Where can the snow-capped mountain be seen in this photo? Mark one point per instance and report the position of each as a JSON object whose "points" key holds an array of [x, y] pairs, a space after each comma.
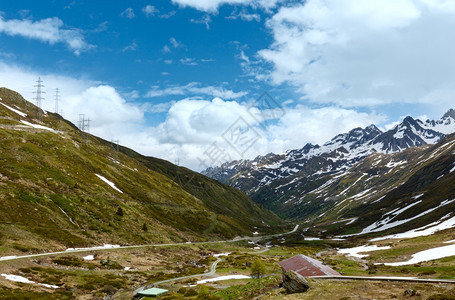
{"points": [[407, 193], [338, 154]]}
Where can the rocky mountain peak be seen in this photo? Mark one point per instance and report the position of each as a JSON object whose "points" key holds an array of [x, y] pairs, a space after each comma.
{"points": [[449, 114]]}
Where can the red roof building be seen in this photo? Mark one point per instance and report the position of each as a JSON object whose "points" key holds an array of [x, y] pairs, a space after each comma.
{"points": [[307, 266]]}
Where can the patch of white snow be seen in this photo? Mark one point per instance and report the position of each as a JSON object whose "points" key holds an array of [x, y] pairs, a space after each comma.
{"points": [[421, 231], [17, 278], [221, 254], [105, 246], [361, 249], [37, 126], [427, 255], [227, 277], [14, 110], [110, 183]]}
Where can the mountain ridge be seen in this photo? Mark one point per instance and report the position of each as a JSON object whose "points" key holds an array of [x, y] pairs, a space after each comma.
{"points": [[60, 187], [341, 152]]}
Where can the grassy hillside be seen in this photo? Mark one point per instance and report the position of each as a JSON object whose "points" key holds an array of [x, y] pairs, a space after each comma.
{"points": [[61, 188]]}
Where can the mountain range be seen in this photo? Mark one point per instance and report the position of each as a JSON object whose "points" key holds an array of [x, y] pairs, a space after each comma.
{"points": [[357, 176]]}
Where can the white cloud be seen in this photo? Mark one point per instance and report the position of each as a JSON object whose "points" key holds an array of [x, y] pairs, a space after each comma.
{"points": [[192, 127], [243, 57], [195, 89], [157, 108], [131, 47], [166, 49], [149, 10], [110, 113], [250, 17], [244, 15], [188, 61], [128, 13], [168, 15], [50, 30], [318, 125], [204, 20], [212, 5], [174, 44], [365, 53]]}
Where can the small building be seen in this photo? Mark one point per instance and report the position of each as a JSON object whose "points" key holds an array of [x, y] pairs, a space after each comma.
{"points": [[306, 267], [153, 292]]}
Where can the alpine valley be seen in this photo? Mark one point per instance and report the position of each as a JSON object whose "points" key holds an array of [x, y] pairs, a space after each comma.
{"points": [[84, 218]]}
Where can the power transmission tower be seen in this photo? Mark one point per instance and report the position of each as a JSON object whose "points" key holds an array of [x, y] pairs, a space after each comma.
{"points": [[116, 143], [38, 97], [116, 148], [84, 125], [57, 99]]}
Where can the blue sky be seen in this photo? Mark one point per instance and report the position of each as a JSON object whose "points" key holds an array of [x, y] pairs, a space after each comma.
{"points": [[175, 78]]}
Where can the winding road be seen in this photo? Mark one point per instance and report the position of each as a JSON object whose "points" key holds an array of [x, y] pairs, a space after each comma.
{"points": [[215, 263], [100, 248]]}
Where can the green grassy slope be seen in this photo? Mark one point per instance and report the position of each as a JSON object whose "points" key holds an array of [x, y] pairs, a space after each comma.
{"points": [[51, 197]]}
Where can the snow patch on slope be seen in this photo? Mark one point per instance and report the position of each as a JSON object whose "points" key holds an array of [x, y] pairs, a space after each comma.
{"points": [[110, 183], [17, 278], [37, 126], [14, 110], [422, 231], [355, 251], [227, 277], [427, 255]]}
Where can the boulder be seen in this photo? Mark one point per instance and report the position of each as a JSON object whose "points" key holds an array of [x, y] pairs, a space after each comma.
{"points": [[295, 283]]}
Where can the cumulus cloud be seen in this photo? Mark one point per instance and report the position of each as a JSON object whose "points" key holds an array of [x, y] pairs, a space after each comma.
{"points": [[194, 130], [104, 104], [364, 53], [317, 126], [50, 30], [196, 89], [109, 111]]}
